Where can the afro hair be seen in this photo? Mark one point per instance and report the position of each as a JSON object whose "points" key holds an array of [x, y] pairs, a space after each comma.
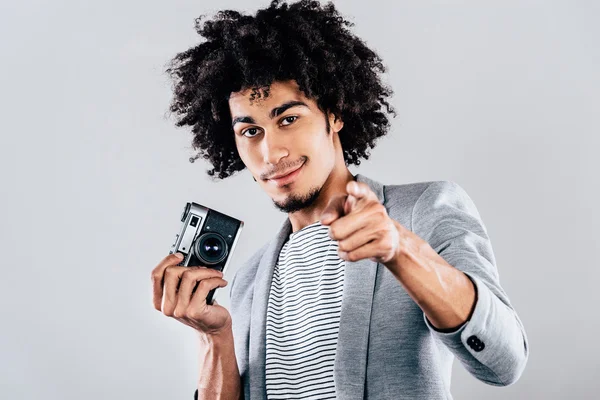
{"points": [[303, 41]]}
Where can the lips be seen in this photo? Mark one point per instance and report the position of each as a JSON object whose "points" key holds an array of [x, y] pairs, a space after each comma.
{"points": [[288, 178], [286, 174]]}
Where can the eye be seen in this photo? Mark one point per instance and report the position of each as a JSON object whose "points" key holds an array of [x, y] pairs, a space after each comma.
{"points": [[253, 131], [289, 119]]}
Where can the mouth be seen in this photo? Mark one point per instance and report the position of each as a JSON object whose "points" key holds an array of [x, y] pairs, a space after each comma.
{"points": [[286, 179]]}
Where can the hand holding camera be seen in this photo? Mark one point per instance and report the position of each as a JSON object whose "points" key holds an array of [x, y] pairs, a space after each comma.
{"points": [[184, 282], [180, 292]]}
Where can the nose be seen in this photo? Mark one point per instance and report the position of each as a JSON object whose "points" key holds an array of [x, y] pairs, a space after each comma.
{"points": [[273, 148]]}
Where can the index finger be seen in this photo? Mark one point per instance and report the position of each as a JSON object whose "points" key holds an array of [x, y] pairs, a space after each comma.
{"points": [[158, 276], [359, 190]]}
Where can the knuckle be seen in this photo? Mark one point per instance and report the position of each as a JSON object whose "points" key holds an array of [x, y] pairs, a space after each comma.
{"points": [[156, 277], [186, 274], [168, 312], [173, 270], [203, 285], [332, 232], [194, 313], [178, 313], [388, 244]]}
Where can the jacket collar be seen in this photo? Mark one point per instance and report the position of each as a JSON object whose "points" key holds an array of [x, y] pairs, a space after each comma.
{"points": [[351, 352]]}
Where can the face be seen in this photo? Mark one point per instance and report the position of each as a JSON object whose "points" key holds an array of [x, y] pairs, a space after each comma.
{"points": [[284, 132]]}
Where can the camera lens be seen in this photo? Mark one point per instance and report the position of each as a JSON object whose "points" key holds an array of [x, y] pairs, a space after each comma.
{"points": [[211, 248]]}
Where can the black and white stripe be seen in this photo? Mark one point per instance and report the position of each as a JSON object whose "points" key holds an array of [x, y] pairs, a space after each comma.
{"points": [[303, 316]]}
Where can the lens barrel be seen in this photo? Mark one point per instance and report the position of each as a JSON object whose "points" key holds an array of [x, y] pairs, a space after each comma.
{"points": [[211, 248]]}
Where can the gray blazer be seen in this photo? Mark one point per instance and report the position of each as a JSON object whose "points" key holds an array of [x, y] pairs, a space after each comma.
{"points": [[387, 348]]}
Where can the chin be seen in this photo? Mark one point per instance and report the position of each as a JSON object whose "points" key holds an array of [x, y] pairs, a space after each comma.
{"points": [[297, 200]]}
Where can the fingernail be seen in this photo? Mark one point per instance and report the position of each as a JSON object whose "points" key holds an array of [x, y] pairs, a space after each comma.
{"points": [[342, 254], [179, 255]]}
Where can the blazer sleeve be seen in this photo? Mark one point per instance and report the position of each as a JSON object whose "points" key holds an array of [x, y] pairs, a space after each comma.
{"points": [[492, 345]]}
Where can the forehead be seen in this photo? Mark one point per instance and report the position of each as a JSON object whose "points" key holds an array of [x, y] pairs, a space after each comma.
{"points": [[251, 100]]}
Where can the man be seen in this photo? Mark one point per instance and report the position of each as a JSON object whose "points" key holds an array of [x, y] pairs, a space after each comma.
{"points": [[367, 290]]}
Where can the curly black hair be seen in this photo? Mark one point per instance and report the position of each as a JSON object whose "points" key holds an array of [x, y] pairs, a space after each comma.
{"points": [[304, 42]]}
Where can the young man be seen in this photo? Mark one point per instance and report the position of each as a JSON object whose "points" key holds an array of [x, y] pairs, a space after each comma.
{"points": [[367, 290]]}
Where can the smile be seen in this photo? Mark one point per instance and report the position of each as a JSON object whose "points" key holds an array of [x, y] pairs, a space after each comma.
{"points": [[286, 179]]}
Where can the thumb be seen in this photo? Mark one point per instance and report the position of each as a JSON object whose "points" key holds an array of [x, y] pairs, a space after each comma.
{"points": [[334, 209], [349, 204]]}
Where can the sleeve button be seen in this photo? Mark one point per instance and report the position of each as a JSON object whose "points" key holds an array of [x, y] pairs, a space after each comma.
{"points": [[474, 343]]}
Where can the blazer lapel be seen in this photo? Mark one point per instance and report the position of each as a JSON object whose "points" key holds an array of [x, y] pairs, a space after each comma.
{"points": [[357, 298], [353, 339], [262, 286]]}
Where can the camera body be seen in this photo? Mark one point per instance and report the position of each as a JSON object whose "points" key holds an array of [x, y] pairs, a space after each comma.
{"points": [[207, 238]]}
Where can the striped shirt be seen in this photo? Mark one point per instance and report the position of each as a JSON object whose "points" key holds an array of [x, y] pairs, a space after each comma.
{"points": [[303, 316]]}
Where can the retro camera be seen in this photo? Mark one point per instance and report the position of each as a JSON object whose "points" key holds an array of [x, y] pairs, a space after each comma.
{"points": [[207, 239]]}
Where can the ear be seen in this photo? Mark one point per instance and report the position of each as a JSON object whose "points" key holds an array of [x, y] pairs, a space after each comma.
{"points": [[335, 122]]}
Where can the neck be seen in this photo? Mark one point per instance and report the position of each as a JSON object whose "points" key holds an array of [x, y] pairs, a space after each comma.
{"points": [[334, 185]]}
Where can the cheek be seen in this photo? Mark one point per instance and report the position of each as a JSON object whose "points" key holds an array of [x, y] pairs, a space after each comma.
{"points": [[248, 154], [242, 152], [310, 137], [319, 142]]}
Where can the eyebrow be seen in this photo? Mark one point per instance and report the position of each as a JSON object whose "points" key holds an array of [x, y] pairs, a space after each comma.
{"points": [[274, 112]]}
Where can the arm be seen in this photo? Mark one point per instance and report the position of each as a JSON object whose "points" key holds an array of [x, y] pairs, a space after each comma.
{"points": [[446, 294], [219, 376], [447, 266]]}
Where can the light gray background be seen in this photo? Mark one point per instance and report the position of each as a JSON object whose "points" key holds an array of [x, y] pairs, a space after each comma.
{"points": [[501, 97]]}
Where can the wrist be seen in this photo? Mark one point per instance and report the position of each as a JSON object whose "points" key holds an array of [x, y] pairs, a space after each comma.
{"points": [[224, 335], [408, 246]]}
